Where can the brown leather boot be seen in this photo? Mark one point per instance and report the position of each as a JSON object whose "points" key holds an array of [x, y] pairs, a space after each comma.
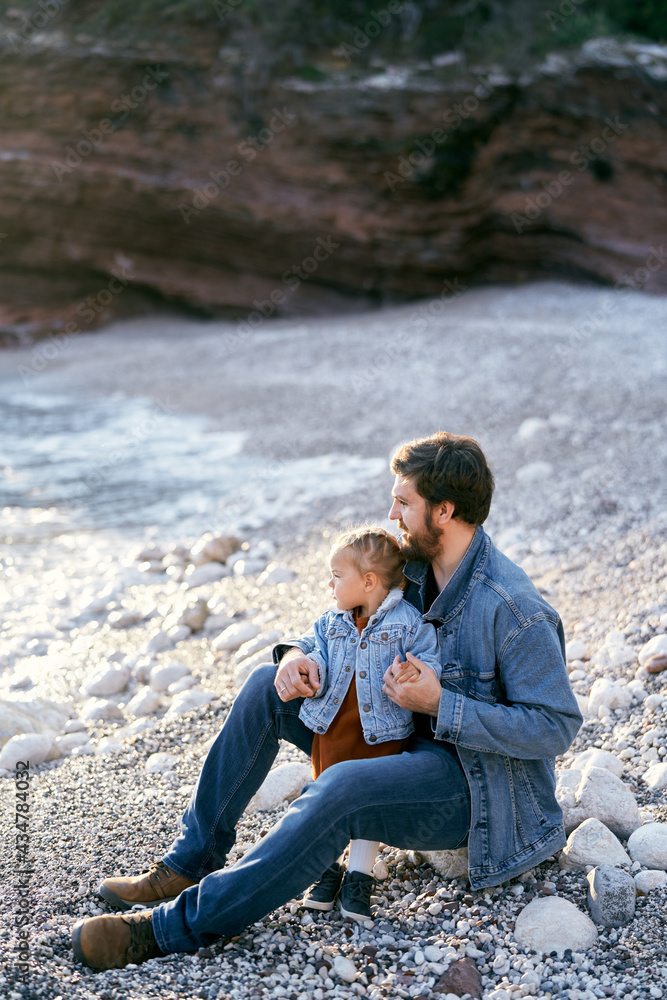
{"points": [[157, 885], [112, 942]]}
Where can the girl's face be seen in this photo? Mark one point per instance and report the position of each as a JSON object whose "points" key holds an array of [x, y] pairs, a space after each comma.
{"points": [[346, 582]]}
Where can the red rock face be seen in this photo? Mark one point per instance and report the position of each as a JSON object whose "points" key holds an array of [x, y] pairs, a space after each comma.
{"points": [[124, 179]]}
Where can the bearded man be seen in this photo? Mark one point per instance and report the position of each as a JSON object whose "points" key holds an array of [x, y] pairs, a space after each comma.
{"points": [[479, 769]]}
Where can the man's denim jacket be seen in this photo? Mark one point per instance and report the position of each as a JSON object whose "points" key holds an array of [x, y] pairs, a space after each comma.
{"points": [[341, 653], [506, 706]]}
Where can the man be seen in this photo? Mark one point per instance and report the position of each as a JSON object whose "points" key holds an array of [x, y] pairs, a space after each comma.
{"points": [[479, 768]]}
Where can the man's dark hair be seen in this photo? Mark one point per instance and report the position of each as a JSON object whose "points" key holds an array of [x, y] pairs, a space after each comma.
{"points": [[448, 467]]}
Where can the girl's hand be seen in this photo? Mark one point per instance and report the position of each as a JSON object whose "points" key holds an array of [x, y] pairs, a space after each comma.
{"points": [[420, 694], [402, 672]]}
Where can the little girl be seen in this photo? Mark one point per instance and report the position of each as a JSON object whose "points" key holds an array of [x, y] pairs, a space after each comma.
{"points": [[371, 628]]}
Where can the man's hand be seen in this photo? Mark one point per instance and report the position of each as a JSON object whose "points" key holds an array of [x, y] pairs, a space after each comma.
{"points": [[413, 686], [297, 676]]}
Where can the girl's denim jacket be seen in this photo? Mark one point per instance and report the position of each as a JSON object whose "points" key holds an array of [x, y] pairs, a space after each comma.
{"points": [[339, 651], [506, 705]]}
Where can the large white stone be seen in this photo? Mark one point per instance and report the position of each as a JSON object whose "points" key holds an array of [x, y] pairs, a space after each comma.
{"points": [[575, 650], [592, 843], [451, 864], [179, 632], [158, 642], [614, 654], [187, 681], [274, 574], [246, 667], [260, 641], [612, 896], [215, 623], [554, 924], [235, 636], [187, 701], [37, 715], [160, 763], [532, 427], [534, 472], [247, 566], [656, 777], [210, 572], [345, 968], [658, 644], [606, 692], [100, 710], [145, 702], [283, 783], [194, 614], [110, 678], [162, 676], [214, 548], [29, 748], [648, 845], [648, 880], [68, 742], [597, 758], [599, 794]]}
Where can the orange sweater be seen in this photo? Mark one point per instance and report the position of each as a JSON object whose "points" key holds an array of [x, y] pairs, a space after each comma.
{"points": [[344, 739]]}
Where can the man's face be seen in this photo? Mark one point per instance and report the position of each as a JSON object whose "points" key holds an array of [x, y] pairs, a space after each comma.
{"points": [[420, 538]]}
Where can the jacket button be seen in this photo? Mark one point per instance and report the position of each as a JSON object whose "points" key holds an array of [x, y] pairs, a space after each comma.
{"points": [[385, 635], [362, 645], [367, 708], [320, 729], [335, 701], [352, 641], [332, 633], [347, 670], [372, 739], [362, 673]]}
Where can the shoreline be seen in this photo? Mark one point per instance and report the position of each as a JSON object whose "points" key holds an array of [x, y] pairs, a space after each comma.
{"points": [[576, 448]]}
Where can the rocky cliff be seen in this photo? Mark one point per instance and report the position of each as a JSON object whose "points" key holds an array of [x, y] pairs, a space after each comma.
{"points": [[129, 177]]}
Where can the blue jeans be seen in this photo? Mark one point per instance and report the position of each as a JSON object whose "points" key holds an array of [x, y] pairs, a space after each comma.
{"points": [[417, 799]]}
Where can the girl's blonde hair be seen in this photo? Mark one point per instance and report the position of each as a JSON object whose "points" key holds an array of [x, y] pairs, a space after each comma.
{"points": [[374, 549]]}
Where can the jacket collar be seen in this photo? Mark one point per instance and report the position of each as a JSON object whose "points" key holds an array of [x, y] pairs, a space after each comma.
{"points": [[450, 601], [391, 600]]}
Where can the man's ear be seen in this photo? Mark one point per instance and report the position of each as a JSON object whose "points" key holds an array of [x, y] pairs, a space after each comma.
{"points": [[443, 512], [370, 581]]}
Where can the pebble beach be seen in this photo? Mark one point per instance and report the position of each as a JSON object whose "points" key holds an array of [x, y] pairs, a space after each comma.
{"points": [[149, 567]]}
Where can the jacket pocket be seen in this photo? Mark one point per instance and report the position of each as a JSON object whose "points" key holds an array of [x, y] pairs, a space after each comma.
{"points": [[469, 683], [385, 644]]}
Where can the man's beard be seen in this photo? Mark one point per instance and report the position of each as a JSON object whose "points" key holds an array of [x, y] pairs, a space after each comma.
{"points": [[423, 545]]}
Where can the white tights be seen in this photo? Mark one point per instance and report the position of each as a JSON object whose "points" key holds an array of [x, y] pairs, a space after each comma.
{"points": [[362, 855]]}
